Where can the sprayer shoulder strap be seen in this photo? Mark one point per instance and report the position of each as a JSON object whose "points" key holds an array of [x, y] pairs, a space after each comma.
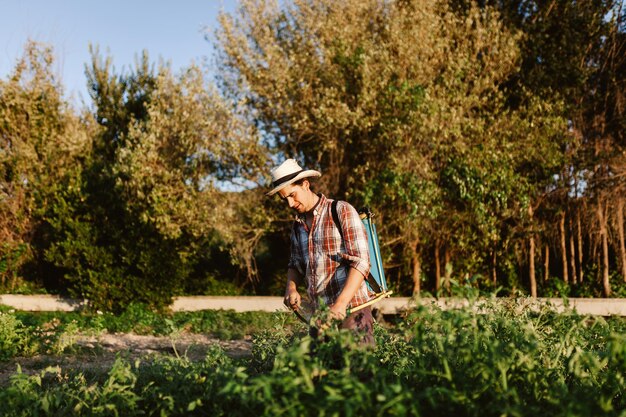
{"points": [[333, 210]]}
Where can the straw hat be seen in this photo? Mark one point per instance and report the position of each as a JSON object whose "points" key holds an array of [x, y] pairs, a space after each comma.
{"points": [[287, 173]]}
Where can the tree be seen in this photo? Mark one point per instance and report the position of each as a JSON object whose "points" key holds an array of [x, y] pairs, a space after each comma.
{"points": [[403, 106], [41, 142], [170, 169], [575, 50], [148, 214]]}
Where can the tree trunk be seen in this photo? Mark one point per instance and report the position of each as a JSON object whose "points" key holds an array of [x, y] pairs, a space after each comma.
{"points": [[437, 268], [572, 254], [494, 275], [563, 247], [546, 263], [606, 285], [417, 269], [531, 258], [531, 268], [595, 259], [620, 233], [580, 248], [448, 269]]}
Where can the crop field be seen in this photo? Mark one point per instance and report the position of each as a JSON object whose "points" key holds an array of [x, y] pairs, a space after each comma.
{"points": [[502, 362]]}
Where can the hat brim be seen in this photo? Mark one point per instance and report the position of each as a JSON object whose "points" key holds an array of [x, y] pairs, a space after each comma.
{"points": [[304, 174]]}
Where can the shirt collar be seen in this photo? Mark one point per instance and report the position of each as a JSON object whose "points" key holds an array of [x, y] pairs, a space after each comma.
{"points": [[316, 208]]}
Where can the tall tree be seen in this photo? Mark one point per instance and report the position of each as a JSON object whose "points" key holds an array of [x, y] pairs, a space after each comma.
{"points": [[574, 50], [402, 105], [42, 140], [149, 212]]}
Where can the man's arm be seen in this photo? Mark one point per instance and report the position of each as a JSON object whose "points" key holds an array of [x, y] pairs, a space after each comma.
{"points": [[355, 240], [353, 283]]}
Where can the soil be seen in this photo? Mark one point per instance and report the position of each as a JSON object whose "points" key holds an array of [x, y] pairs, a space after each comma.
{"points": [[97, 353]]}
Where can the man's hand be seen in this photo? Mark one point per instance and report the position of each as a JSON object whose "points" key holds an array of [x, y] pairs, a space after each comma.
{"points": [[292, 299], [338, 310]]}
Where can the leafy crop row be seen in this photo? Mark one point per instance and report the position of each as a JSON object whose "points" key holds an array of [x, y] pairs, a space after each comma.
{"points": [[28, 333], [434, 363]]}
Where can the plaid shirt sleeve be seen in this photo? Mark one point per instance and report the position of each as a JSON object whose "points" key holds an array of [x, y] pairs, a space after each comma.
{"points": [[354, 238], [296, 259]]}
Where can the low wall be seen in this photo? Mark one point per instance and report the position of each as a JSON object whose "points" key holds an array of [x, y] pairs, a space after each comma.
{"points": [[41, 302], [393, 305]]}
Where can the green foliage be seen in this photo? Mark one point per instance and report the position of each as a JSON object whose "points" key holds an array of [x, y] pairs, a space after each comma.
{"points": [[407, 104], [464, 125], [11, 258], [41, 140], [267, 344], [417, 195], [144, 221], [113, 398], [139, 319], [490, 361], [589, 288], [14, 337], [27, 333]]}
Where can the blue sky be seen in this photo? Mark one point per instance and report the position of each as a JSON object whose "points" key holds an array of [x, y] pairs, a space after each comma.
{"points": [[172, 30]]}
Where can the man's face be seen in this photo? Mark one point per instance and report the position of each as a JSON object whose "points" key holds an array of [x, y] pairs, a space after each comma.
{"points": [[296, 196]]}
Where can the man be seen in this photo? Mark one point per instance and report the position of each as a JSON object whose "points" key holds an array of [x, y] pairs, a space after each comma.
{"points": [[332, 268]]}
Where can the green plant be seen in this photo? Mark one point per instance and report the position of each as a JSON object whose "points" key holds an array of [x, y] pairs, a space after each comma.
{"points": [[488, 359], [14, 337]]}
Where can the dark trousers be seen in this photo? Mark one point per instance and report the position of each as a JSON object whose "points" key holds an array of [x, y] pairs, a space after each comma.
{"points": [[361, 322]]}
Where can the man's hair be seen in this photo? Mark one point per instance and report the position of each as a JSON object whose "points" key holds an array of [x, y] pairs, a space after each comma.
{"points": [[301, 180]]}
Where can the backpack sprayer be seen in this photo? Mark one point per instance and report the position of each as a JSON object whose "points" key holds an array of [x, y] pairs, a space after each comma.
{"points": [[376, 281]]}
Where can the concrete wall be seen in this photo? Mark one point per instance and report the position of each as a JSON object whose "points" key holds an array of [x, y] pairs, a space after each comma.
{"points": [[393, 305]]}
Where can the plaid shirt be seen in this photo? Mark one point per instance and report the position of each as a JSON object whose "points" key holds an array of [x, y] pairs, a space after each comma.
{"points": [[324, 259]]}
